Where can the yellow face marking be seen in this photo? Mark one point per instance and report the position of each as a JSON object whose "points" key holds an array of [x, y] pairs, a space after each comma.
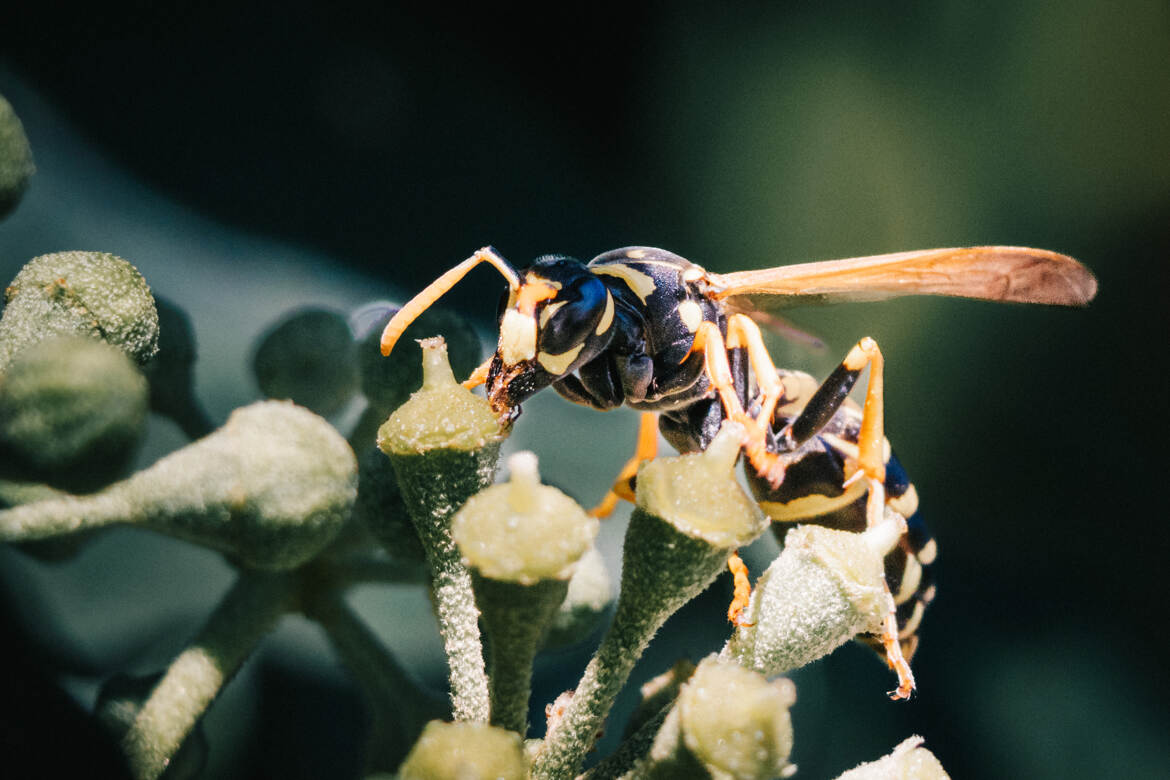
{"points": [[517, 337], [928, 553], [606, 316], [636, 254], [693, 274], [559, 364], [641, 284], [549, 310], [691, 315], [811, 506]]}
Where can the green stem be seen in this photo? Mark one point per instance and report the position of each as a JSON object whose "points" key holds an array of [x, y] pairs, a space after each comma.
{"points": [[248, 612], [515, 617]]}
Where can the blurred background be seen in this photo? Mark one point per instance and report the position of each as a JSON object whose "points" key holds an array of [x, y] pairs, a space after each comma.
{"points": [[252, 158]]}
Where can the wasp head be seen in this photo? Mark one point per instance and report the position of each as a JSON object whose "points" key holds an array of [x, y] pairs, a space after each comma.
{"points": [[559, 318]]}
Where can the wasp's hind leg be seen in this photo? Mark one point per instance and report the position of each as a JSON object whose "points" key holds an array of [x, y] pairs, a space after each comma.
{"points": [[870, 461], [646, 449]]}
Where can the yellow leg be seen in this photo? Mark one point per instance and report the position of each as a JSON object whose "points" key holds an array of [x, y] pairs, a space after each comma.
{"points": [[742, 332], [709, 341], [871, 466], [743, 590], [646, 449], [479, 375]]}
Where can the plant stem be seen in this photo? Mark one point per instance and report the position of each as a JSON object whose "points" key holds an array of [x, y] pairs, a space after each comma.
{"points": [[248, 612]]}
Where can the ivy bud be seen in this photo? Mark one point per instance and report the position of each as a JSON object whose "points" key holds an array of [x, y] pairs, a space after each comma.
{"points": [[16, 161], [522, 540], [444, 443], [455, 751], [170, 373], [908, 761], [825, 587], [735, 722], [72, 412], [388, 383], [84, 294], [271, 488], [310, 358]]}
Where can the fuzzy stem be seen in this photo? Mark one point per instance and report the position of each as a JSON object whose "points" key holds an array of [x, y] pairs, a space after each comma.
{"points": [[248, 612], [515, 617]]}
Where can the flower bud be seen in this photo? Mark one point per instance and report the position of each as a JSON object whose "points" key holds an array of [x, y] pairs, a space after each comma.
{"points": [[522, 540], [16, 162], [456, 751], [72, 412], [908, 761], [825, 587], [272, 488], [310, 358], [79, 293]]}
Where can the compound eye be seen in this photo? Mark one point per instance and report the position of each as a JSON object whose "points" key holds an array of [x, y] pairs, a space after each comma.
{"points": [[569, 319]]}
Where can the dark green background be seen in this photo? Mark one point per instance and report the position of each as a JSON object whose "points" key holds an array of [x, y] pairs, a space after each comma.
{"points": [[395, 141]]}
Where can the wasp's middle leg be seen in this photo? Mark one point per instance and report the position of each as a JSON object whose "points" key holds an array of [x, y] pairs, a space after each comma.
{"points": [[646, 449]]}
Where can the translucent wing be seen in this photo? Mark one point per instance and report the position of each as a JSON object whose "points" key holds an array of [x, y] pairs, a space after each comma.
{"points": [[993, 273]]}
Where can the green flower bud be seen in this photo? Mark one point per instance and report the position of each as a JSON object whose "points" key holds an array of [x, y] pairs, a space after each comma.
{"points": [[691, 514], [908, 761], [522, 540], [463, 751], [310, 358], [388, 382], [16, 162], [444, 443], [272, 488], [735, 722], [522, 531], [825, 587], [72, 412], [79, 293]]}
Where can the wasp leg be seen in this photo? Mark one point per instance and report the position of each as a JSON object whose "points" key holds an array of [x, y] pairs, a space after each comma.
{"points": [[646, 449], [709, 341], [742, 332], [431, 293], [742, 593], [479, 375]]}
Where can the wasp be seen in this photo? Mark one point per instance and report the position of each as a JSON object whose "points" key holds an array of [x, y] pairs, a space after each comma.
{"points": [[646, 328]]}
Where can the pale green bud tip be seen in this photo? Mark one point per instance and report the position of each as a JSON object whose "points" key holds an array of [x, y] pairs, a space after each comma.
{"points": [[16, 161], [523, 531], [441, 415], [388, 382], [736, 722], [72, 409], [80, 293], [699, 495], [309, 357], [908, 761], [826, 587], [461, 751]]}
